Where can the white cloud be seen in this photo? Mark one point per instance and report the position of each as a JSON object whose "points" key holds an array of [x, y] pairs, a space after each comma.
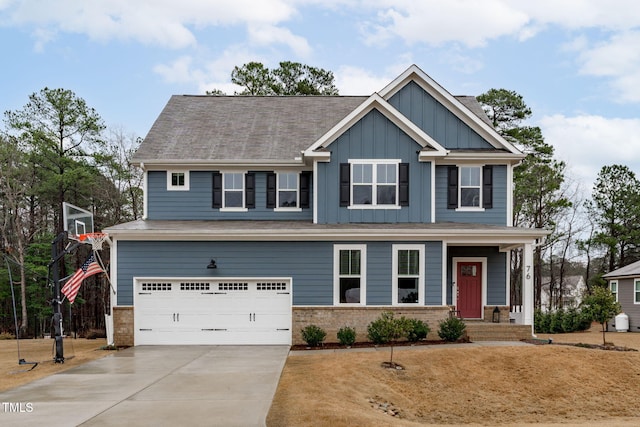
{"points": [[618, 59], [357, 81], [158, 22], [265, 35], [587, 143]]}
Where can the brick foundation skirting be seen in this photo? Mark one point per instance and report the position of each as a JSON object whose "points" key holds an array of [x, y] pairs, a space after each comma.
{"points": [[331, 319], [123, 326]]}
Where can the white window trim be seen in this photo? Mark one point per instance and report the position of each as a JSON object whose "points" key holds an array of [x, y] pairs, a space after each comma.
{"points": [[171, 187], [394, 276], [461, 208], [617, 288], [284, 209], [375, 162], [242, 208], [336, 274], [636, 282]]}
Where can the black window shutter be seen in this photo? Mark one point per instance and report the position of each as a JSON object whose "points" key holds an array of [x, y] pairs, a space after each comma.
{"points": [[250, 190], [305, 189], [217, 190], [271, 190], [403, 180], [345, 184], [487, 187], [452, 187]]}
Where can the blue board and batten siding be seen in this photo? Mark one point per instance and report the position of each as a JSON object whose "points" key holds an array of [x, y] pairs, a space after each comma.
{"points": [[497, 215], [373, 137], [436, 120], [197, 202], [312, 271]]}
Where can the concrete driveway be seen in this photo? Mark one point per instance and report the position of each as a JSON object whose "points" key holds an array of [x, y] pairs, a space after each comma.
{"points": [[159, 386]]}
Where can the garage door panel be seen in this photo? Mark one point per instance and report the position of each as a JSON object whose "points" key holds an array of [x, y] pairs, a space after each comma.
{"points": [[197, 311]]}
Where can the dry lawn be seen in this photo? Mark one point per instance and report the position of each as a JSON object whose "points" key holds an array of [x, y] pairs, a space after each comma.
{"points": [[76, 352], [543, 385]]}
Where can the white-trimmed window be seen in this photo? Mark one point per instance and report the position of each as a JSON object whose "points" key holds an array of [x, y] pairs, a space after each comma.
{"points": [[288, 190], [350, 274], [233, 190], [613, 287], [177, 180], [408, 274], [636, 291], [470, 186], [374, 183]]}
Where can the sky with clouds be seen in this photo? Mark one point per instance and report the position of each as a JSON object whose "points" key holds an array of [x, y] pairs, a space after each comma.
{"points": [[575, 62]]}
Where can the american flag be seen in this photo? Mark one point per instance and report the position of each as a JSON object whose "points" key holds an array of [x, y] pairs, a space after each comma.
{"points": [[89, 268]]}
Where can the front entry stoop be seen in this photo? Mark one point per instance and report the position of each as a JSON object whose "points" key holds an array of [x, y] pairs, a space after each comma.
{"points": [[483, 331]]}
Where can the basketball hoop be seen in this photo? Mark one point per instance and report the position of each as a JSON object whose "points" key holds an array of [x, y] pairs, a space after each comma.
{"points": [[95, 239]]}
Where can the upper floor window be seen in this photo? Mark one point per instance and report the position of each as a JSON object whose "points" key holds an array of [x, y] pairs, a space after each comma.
{"points": [[374, 183], [350, 266], [288, 190], [636, 292], [178, 180], [470, 187], [233, 190], [613, 287], [408, 274]]}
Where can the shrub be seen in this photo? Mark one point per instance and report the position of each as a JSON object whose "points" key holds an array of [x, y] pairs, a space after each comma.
{"points": [[313, 335], [7, 336], [557, 319], [388, 329], [451, 329], [418, 330], [347, 335]]}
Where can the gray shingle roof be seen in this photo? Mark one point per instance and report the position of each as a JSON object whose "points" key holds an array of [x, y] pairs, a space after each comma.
{"points": [[194, 128], [631, 270], [227, 128]]}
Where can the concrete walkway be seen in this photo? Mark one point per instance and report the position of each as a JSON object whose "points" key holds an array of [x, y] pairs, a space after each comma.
{"points": [[154, 386]]}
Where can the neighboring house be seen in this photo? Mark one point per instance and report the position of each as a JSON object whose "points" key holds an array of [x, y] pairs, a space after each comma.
{"points": [[566, 295], [624, 283], [266, 214]]}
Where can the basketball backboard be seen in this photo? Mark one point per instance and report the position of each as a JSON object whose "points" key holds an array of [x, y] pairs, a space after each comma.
{"points": [[77, 221]]}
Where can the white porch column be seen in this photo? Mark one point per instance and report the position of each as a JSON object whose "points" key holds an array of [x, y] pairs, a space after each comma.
{"points": [[527, 285]]}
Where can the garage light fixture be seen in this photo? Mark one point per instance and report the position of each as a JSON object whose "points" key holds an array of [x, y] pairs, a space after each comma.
{"points": [[212, 264]]}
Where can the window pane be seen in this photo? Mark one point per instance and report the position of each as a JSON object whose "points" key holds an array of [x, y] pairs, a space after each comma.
{"points": [[386, 174], [386, 194], [470, 176], [233, 199], [362, 174], [288, 181], [408, 262], [233, 181], [177, 179], [350, 290], [350, 262], [362, 195], [470, 197], [408, 290], [288, 199]]}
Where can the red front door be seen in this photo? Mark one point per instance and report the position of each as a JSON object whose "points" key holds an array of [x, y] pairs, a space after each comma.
{"points": [[469, 301]]}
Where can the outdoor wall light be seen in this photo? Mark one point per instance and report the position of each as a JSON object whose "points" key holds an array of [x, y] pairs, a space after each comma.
{"points": [[212, 264]]}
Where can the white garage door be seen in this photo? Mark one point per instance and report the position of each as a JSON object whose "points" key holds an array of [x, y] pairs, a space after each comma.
{"points": [[211, 312]]}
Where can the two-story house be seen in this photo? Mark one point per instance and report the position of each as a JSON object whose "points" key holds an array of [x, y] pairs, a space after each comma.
{"points": [[266, 214]]}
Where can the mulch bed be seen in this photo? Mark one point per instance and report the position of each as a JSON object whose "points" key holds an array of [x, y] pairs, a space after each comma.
{"points": [[582, 345], [337, 346]]}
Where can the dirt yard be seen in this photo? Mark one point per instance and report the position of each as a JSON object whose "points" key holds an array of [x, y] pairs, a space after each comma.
{"points": [[76, 352], [544, 385]]}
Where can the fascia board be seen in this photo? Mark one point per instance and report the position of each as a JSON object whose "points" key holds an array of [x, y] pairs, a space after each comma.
{"points": [[455, 157], [200, 165], [375, 101], [450, 102], [467, 237]]}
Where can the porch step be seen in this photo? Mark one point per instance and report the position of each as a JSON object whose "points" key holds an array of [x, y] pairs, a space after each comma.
{"points": [[483, 331]]}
